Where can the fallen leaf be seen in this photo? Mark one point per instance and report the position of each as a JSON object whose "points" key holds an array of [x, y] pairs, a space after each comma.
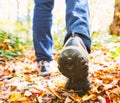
{"points": [[101, 99], [107, 80], [27, 93], [68, 100], [14, 97]]}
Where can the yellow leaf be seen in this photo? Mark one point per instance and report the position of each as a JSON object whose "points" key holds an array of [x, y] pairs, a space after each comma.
{"points": [[14, 97], [88, 97], [77, 98], [24, 100]]}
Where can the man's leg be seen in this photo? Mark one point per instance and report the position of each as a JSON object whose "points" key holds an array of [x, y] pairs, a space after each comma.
{"points": [[73, 60], [77, 20], [42, 22], [43, 43]]}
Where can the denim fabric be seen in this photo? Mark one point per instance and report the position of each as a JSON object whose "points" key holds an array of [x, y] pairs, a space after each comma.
{"points": [[77, 20]]}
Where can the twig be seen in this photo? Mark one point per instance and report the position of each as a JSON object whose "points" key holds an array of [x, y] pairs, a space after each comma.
{"points": [[54, 92]]}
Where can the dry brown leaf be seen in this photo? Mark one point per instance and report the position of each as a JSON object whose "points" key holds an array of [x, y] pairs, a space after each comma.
{"points": [[101, 99], [68, 100], [105, 82], [27, 93]]}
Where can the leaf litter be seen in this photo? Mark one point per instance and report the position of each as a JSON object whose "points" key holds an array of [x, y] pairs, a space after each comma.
{"points": [[20, 83]]}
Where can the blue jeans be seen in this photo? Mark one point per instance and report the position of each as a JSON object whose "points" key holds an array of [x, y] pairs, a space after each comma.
{"points": [[77, 20]]}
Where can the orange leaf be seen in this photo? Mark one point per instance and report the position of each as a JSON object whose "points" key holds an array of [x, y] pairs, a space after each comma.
{"points": [[1, 83], [107, 80], [28, 78], [26, 101], [6, 71]]}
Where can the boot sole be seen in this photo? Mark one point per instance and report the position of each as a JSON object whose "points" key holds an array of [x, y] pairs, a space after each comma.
{"points": [[73, 63]]}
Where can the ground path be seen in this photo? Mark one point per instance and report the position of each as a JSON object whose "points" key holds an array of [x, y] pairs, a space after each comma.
{"points": [[19, 82]]}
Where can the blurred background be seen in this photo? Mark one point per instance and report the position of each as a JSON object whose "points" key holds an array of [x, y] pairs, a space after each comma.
{"points": [[16, 19], [21, 12]]}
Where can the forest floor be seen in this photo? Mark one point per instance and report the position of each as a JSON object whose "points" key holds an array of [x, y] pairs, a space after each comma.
{"points": [[20, 83]]}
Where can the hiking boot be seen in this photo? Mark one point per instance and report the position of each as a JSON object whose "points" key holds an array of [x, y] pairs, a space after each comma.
{"points": [[73, 63], [43, 67]]}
